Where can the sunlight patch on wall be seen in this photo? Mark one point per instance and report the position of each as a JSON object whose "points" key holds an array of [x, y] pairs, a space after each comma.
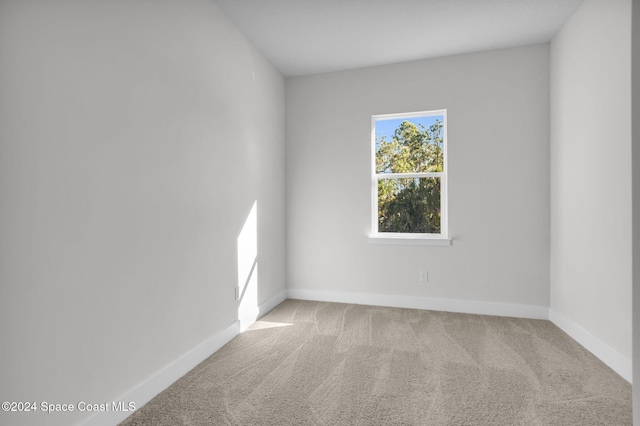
{"points": [[247, 246]]}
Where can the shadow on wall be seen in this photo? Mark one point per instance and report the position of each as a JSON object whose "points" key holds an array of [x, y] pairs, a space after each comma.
{"points": [[247, 259]]}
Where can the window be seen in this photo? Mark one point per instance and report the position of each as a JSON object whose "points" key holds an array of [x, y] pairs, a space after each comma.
{"points": [[409, 176]]}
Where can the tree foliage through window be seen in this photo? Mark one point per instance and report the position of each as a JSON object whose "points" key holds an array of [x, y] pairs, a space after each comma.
{"points": [[410, 204]]}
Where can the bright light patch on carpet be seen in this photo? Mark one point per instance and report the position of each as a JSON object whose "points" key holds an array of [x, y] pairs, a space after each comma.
{"points": [[261, 325]]}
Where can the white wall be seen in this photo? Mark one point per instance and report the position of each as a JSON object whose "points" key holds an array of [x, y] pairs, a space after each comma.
{"points": [[591, 172], [134, 139], [635, 111], [498, 130]]}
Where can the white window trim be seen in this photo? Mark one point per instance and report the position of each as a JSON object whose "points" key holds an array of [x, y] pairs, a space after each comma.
{"points": [[441, 239]]}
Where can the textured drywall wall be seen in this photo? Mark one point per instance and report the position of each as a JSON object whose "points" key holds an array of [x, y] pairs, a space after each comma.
{"points": [[135, 137], [498, 135], [635, 114], [591, 172]]}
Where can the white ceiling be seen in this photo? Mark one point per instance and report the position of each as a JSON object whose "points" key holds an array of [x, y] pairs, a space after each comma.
{"points": [[302, 37]]}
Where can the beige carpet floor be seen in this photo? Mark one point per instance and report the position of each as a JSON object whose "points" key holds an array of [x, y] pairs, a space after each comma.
{"points": [[316, 363]]}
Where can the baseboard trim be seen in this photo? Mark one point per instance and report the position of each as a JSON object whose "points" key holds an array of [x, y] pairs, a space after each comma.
{"points": [[447, 305], [262, 309], [272, 303], [597, 347], [162, 379], [156, 383]]}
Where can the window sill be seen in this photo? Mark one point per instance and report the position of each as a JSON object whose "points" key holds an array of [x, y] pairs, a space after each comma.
{"points": [[408, 239]]}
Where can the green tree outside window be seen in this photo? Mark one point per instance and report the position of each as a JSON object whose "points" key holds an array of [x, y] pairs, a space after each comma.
{"points": [[412, 203]]}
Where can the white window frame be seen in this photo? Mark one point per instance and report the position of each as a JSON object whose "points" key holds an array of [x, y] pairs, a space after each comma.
{"points": [[410, 238]]}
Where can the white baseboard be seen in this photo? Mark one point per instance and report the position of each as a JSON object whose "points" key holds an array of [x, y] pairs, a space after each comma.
{"points": [[159, 381], [447, 305], [162, 379], [259, 311], [597, 347], [272, 303]]}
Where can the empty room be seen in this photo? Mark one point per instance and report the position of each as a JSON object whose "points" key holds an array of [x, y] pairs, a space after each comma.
{"points": [[319, 212]]}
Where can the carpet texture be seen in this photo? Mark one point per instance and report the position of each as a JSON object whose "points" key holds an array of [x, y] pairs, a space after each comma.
{"points": [[317, 363]]}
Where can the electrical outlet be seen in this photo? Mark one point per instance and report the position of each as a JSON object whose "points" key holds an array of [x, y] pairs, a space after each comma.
{"points": [[424, 276]]}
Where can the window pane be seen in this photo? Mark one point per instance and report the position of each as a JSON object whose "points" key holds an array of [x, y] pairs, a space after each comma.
{"points": [[409, 205], [409, 145]]}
